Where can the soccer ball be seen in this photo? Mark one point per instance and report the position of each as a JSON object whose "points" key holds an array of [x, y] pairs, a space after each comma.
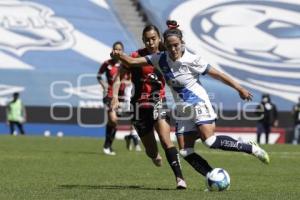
{"points": [[217, 180]]}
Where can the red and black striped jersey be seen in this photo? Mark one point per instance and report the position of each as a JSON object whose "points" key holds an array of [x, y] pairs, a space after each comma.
{"points": [[111, 68], [148, 81]]}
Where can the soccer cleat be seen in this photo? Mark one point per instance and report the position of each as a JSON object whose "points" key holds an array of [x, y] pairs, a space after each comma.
{"points": [[138, 148], [295, 142], [258, 152], [109, 151], [181, 185], [157, 161]]}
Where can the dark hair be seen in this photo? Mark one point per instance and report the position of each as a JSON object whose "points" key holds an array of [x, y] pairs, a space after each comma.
{"points": [[118, 43], [151, 27], [265, 95], [15, 96], [172, 30], [148, 28]]}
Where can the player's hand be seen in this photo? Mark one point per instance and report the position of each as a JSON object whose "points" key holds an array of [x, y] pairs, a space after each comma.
{"points": [[114, 103], [245, 94]]}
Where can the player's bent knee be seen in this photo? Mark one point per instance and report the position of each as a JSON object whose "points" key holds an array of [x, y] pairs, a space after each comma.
{"points": [[210, 141], [185, 152]]}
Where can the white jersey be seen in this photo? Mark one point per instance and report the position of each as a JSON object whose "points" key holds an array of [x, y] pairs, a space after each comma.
{"points": [[183, 77]]}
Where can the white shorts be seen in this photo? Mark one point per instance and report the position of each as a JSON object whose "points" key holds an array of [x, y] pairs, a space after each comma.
{"points": [[188, 117], [124, 106]]}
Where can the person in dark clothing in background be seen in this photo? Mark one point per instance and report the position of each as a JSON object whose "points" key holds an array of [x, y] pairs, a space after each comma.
{"points": [[267, 113], [296, 116]]}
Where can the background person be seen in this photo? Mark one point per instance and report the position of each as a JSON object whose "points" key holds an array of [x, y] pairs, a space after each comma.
{"points": [[267, 113], [110, 69], [16, 114], [296, 116], [132, 139]]}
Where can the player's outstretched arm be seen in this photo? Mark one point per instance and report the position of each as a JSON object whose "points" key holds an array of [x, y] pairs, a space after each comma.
{"points": [[244, 93], [129, 61]]}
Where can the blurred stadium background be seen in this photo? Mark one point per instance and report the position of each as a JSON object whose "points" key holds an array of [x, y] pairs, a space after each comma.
{"points": [[50, 52]]}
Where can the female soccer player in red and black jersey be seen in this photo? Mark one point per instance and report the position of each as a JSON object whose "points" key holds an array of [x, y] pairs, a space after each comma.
{"points": [[148, 101], [111, 69]]}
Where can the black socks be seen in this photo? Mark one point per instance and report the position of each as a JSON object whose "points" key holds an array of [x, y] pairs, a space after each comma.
{"points": [[198, 163], [173, 159]]}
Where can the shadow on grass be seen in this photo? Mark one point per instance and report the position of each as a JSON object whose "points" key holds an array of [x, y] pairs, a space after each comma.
{"points": [[111, 187]]}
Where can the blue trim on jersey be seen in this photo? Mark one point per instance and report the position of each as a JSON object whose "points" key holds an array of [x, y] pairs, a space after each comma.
{"points": [[188, 96], [148, 60], [205, 122], [206, 70], [164, 66], [184, 93]]}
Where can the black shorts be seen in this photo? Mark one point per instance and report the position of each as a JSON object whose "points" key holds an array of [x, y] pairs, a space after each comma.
{"points": [[107, 102], [144, 118]]}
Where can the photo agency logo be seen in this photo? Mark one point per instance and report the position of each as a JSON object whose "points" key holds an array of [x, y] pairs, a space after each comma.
{"points": [[77, 99], [256, 42], [28, 26], [94, 96]]}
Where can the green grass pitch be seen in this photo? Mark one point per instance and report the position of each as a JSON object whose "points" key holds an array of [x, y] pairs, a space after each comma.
{"points": [[76, 168]]}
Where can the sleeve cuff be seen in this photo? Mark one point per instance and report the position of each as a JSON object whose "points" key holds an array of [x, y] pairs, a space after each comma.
{"points": [[207, 69], [148, 60]]}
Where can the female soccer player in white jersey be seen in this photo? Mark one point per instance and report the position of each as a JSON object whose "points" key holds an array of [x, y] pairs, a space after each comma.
{"points": [[195, 114]]}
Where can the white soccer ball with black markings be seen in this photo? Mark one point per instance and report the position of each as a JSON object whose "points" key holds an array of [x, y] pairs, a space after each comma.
{"points": [[218, 180]]}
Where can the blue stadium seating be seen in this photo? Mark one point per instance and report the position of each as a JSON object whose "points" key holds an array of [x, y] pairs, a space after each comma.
{"points": [[243, 39], [49, 44]]}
